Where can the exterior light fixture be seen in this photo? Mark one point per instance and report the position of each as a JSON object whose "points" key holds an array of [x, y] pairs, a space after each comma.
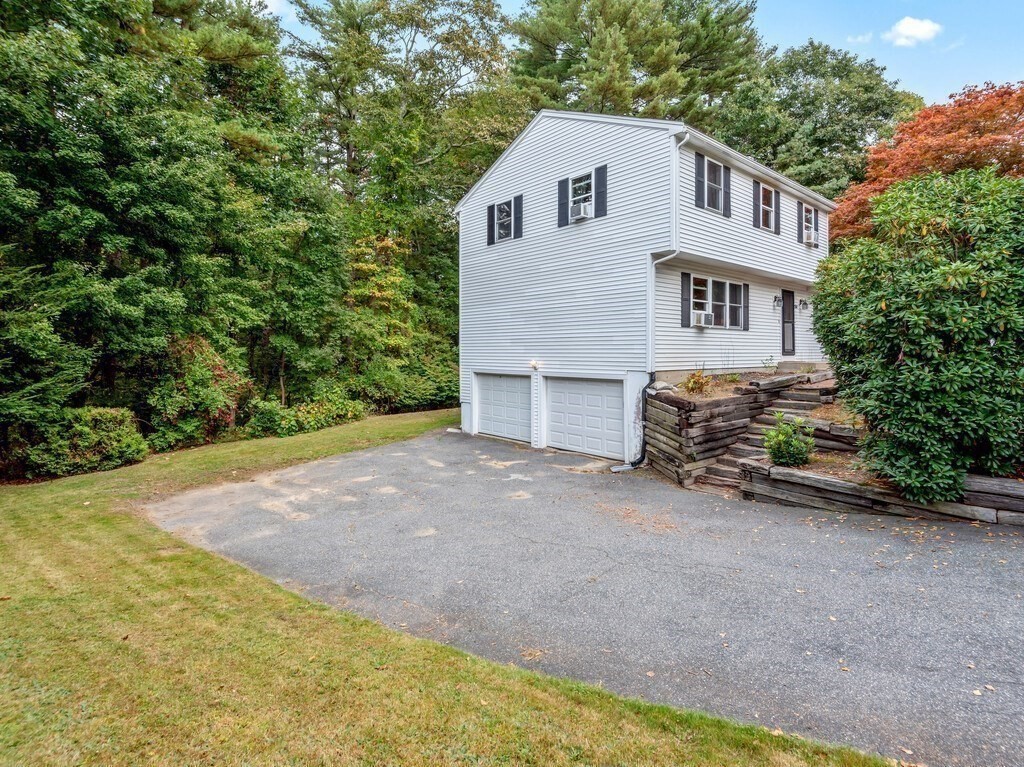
{"points": [[803, 304], [534, 364], [777, 301]]}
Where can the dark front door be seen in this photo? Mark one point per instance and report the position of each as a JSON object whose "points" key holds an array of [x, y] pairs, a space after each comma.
{"points": [[788, 323]]}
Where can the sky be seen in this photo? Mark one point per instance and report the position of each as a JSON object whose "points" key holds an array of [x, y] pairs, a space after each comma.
{"points": [[932, 47]]}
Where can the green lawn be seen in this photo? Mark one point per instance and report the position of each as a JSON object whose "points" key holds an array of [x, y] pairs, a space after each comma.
{"points": [[120, 644]]}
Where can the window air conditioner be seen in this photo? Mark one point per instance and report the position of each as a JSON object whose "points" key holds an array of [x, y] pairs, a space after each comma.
{"points": [[810, 237], [580, 211], [703, 319]]}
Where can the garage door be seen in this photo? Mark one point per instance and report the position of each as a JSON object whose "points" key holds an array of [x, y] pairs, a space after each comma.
{"points": [[505, 406], [586, 416]]}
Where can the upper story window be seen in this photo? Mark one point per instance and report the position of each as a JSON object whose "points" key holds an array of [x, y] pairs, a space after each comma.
{"points": [[503, 221], [717, 303], [808, 225], [583, 197], [582, 189], [767, 207], [715, 186]]}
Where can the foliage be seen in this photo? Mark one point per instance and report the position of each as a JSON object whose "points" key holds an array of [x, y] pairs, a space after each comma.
{"points": [[653, 58], [924, 325], [39, 370], [196, 399], [789, 443], [811, 113], [698, 382], [269, 418], [86, 439], [979, 128]]}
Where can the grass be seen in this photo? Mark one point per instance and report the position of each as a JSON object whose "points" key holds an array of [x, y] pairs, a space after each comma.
{"points": [[120, 644]]}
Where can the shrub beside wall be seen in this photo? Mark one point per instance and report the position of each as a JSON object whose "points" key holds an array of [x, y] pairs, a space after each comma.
{"points": [[924, 325]]}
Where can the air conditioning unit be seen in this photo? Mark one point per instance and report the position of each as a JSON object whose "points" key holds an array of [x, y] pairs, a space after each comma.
{"points": [[810, 238], [703, 319], [580, 211]]}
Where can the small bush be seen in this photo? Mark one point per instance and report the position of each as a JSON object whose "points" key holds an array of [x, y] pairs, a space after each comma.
{"points": [[697, 382], [330, 407], [789, 443], [86, 439], [269, 418], [732, 378]]}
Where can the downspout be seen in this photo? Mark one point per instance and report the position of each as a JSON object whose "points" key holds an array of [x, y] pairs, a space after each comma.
{"points": [[675, 144]]}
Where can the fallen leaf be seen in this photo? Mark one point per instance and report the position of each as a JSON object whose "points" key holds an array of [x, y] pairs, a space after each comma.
{"points": [[990, 687], [832, 618], [906, 751], [977, 692], [651, 673]]}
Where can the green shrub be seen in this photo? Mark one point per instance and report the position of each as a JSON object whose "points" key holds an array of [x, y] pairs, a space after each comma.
{"points": [[789, 443], [924, 325], [329, 407], [197, 399], [86, 439], [391, 385], [269, 418], [697, 382]]}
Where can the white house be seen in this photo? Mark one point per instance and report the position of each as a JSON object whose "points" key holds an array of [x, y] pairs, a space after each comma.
{"points": [[599, 251]]}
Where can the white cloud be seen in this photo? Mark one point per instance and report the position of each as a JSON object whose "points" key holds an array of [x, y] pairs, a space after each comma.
{"points": [[908, 32], [860, 39], [281, 8]]}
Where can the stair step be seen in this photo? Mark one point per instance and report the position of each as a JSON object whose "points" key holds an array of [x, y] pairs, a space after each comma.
{"points": [[790, 395], [728, 460], [711, 479], [717, 470], [793, 404], [746, 451]]}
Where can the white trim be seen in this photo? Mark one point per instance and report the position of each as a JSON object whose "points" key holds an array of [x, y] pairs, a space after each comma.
{"points": [[771, 208], [708, 186]]}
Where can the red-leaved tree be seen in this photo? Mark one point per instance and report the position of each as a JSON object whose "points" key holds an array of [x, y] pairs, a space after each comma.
{"points": [[978, 128]]}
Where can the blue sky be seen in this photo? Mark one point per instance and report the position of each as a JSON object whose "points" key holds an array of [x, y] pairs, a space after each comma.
{"points": [[933, 47]]}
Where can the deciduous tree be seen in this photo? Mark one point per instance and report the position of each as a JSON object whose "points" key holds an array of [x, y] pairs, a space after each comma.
{"points": [[980, 127]]}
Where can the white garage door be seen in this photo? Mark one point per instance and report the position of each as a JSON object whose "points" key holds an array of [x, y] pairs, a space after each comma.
{"points": [[505, 406], [586, 416]]}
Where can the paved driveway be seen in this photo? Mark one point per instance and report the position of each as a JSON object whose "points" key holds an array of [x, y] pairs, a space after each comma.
{"points": [[879, 632]]}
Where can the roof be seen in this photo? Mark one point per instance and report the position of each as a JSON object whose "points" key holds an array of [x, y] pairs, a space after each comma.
{"points": [[686, 135]]}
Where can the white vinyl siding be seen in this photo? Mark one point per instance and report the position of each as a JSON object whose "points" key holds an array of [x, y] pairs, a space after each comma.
{"points": [[735, 241], [573, 299], [679, 348]]}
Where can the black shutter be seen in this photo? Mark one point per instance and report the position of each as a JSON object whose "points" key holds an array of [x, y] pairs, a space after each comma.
{"points": [[517, 217], [757, 204], [799, 222], [726, 191], [746, 306], [685, 304], [815, 227], [490, 224], [601, 191], [563, 202], [778, 212], [698, 174]]}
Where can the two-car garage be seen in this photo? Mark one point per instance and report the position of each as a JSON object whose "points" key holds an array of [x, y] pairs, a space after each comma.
{"points": [[579, 414]]}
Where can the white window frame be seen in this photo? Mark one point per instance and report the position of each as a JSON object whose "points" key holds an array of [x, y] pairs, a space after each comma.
{"points": [[708, 303], [709, 185], [808, 224], [575, 199], [498, 237], [769, 209]]}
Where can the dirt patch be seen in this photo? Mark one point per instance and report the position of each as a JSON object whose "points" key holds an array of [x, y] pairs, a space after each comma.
{"points": [[655, 523], [836, 412], [722, 385]]}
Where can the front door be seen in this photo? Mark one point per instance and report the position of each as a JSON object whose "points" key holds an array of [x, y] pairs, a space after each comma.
{"points": [[788, 323]]}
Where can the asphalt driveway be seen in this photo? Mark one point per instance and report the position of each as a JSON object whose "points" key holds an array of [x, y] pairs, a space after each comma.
{"points": [[891, 635]]}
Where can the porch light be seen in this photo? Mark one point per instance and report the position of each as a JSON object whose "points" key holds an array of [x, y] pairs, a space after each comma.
{"points": [[803, 304], [777, 301], [534, 364]]}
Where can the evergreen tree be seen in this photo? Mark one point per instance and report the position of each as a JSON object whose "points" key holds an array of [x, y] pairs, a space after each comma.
{"points": [[653, 58]]}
